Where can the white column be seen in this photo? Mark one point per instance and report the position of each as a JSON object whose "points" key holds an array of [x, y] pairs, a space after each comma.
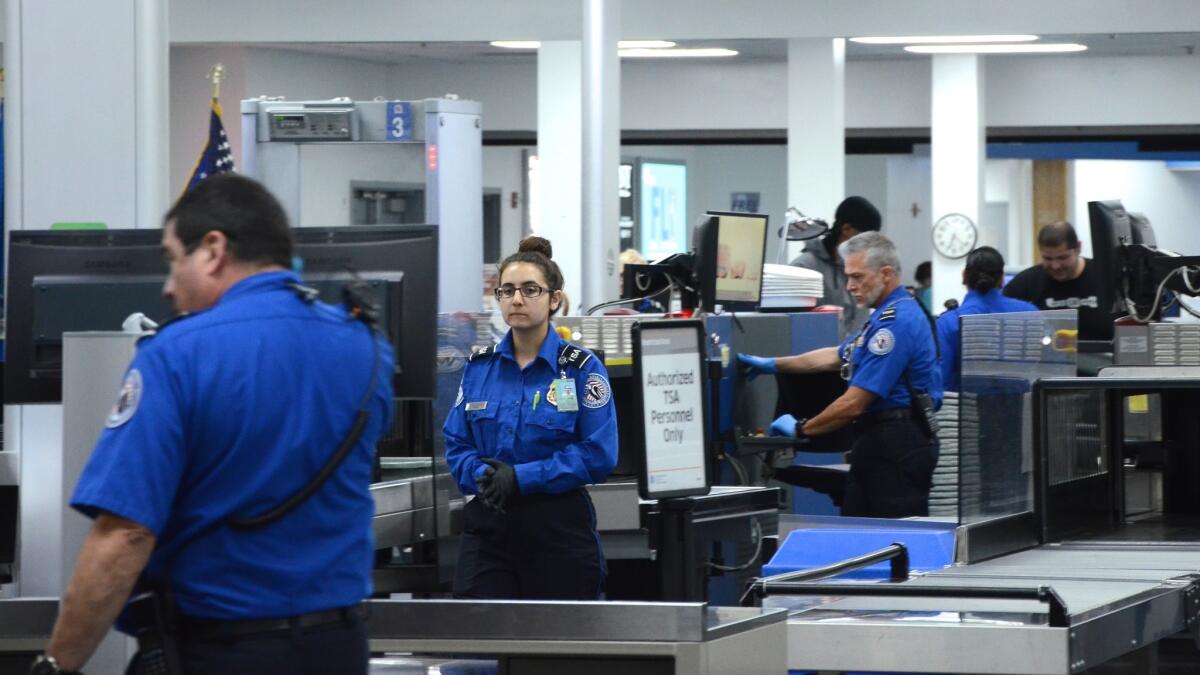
{"points": [[601, 150], [86, 141], [152, 112], [86, 113], [957, 155], [816, 119], [560, 158]]}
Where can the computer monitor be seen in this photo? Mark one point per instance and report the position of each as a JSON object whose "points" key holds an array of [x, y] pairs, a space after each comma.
{"points": [[399, 265], [91, 281], [1134, 268], [65, 281], [730, 251], [1140, 230], [661, 207], [1111, 231]]}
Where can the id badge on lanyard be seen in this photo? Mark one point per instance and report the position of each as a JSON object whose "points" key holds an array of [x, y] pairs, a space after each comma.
{"points": [[564, 392]]}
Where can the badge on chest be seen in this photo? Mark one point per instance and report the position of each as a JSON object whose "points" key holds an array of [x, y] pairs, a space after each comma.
{"points": [[562, 395]]}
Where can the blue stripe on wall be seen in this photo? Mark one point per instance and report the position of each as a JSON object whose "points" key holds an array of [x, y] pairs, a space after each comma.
{"points": [[1084, 150]]}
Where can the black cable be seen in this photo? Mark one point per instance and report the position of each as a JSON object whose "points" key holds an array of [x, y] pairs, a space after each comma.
{"points": [[626, 301]]}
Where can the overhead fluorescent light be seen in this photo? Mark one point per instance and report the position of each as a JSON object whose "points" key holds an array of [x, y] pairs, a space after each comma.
{"points": [[516, 44], [1039, 48], [623, 44], [704, 52], [645, 44], [941, 39]]}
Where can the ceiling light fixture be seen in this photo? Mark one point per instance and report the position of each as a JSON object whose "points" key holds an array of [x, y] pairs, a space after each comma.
{"points": [[1040, 48], [516, 44], [623, 44], [700, 52], [941, 39], [645, 44]]}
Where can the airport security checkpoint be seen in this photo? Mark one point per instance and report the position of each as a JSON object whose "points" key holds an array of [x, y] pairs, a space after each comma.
{"points": [[708, 460]]}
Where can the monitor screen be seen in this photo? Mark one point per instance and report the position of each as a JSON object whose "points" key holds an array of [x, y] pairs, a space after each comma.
{"points": [[662, 208], [728, 265], [668, 365], [65, 281], [741, 247]]}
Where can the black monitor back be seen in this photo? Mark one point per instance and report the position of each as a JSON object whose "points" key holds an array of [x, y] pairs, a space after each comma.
{"points": [[1110, 232], [88, 281], [73, 281], [1140, 230], [405, 256]]}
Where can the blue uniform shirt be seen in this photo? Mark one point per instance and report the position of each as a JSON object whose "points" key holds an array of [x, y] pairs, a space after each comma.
{"points": [[949, 328], [552, 450], [896, 338], [229, 412]]}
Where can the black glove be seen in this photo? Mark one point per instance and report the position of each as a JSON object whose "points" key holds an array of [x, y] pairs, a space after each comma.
{"points": [[498, 484], [482, 484]]}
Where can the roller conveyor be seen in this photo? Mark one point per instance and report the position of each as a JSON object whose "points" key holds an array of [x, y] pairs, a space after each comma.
{"points": [[1119, 597]]}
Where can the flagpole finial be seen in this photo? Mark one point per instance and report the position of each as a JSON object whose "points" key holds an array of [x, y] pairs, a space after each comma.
{"points": [[215, 75]]}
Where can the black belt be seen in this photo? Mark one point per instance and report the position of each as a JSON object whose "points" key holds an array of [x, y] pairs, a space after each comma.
{"points": [[197, 628], [880, 416]]}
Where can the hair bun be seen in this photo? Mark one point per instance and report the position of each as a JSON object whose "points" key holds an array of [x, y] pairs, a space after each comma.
{"points": [[536, 244]]}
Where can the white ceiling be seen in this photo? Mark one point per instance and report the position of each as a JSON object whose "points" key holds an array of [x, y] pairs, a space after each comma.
{"points": [[321, 21], [412, 53]]}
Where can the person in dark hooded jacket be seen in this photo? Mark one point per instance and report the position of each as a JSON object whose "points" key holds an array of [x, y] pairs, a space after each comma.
{"points": [[853, 216]]}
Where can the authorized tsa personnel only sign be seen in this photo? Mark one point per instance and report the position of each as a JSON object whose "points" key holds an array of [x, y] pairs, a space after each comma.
{"points": [[672, 391]]}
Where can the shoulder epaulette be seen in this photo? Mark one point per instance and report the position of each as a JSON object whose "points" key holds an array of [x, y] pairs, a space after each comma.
{"points": [[888, 314], [484, 353], [573, 356]]}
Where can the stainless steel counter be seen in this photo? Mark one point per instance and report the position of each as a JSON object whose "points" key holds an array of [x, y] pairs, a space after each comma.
{"points": [[414, 508], [678, 637], [1119, 597], [25, 624]]}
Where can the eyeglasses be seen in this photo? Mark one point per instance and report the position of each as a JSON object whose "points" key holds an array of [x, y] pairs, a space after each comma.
{"points": [[528, 291]]}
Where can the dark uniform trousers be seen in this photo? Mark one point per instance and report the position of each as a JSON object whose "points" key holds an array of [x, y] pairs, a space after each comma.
{"points": [[543, 547], [891, 470], [335, 648]]}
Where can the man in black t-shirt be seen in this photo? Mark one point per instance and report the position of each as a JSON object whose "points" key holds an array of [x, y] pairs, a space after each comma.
{"points": [[1066, 280]]}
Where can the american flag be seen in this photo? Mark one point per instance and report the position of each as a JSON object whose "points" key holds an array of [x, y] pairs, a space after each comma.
{"points": [[216, 157]]}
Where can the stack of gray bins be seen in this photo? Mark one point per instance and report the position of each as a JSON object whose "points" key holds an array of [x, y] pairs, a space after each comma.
{"points": [[943, 496]]}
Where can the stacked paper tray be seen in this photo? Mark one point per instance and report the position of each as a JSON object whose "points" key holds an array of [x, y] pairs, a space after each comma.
{"points": [[787, 286]]}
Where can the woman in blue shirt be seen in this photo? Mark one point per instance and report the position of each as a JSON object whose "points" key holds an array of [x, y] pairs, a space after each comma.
{"points": [[532, 425], [983, 277]]}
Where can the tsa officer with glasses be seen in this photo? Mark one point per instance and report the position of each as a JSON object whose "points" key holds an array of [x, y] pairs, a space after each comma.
{"points": [[895, 386], [532, 425]]}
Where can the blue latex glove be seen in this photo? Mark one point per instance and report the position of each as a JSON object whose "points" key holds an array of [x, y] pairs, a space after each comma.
{"points": [[784, 425], [754, 366]]}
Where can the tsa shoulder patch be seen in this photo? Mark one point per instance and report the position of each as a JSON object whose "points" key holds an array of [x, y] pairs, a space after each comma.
{"points": [[882, 342], [596, 392], [127, 401]]}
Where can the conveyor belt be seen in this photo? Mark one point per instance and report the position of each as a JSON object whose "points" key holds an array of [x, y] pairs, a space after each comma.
{"points": [[1119, 596]]}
